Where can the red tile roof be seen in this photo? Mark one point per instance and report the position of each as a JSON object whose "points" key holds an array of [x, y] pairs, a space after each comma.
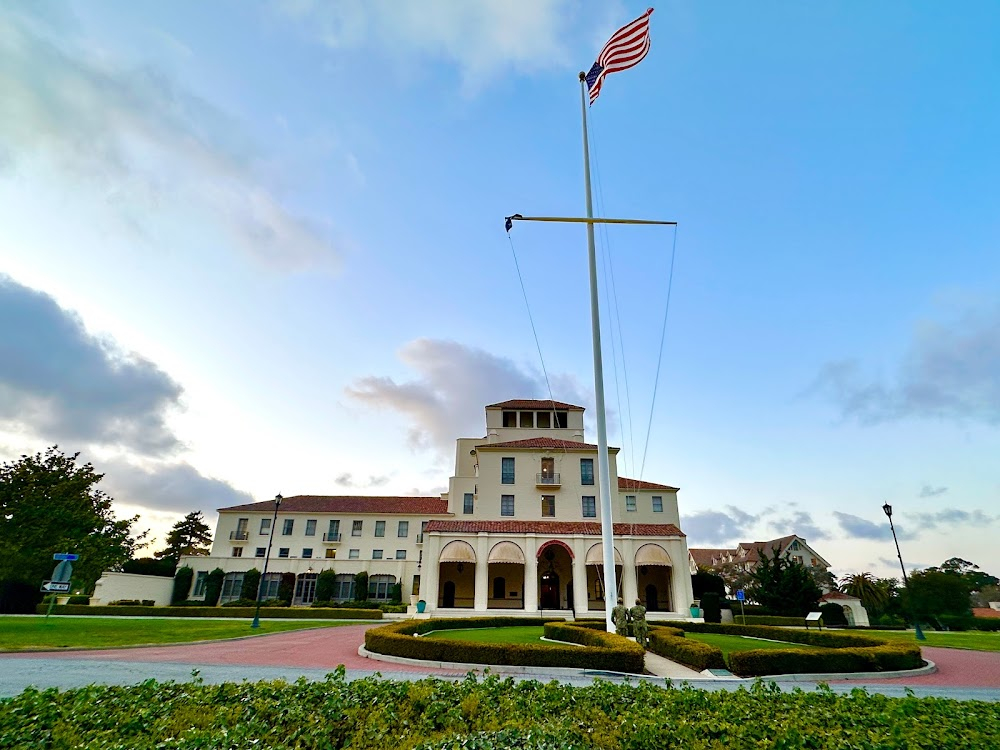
{"points": [[555, 528], [707, 557], [535, 404], [624, 483], [985, 612], [836, 595], [543, 443], [349, 504]]}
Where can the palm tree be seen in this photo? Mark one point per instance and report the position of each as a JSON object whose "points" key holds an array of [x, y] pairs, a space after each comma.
{"points": [[866, 588]]}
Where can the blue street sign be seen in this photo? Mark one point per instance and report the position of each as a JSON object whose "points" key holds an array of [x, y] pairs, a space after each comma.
{"points": [[63, 572], [65, 556], [740, 596]]}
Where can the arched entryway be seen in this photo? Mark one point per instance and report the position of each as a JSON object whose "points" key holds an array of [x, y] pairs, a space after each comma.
{"points": [[654, 577], [506, 576], [555, 575], [595, 575], [457, 575]]}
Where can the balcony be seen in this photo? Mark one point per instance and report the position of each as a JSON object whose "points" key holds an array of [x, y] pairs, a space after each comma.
{"points": [[547, 480], [331, 538], [240, 536]]}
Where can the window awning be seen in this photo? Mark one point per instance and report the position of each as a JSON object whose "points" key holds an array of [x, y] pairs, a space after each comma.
{"points": [[506, 552], [595, 555], [652, 554], [457, 551]]}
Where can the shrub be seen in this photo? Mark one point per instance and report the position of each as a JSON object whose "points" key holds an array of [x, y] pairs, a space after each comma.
{"points": [[833, 615], [286, 589], [361, 586], [326, 585], [671, 644], [710, 605], [241, 602], [182, 584], [986, 623], [18, 597], [213, 586], [198, 609], [793, 622], [605, 651], [79, 600], [251, 584], [396, 593]]}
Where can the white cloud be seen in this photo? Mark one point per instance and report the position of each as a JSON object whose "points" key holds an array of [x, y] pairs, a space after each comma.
{"points": [[718, 528]]}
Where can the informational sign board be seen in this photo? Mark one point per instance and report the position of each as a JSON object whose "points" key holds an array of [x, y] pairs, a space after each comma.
{"points": [[814, 618], [740, 596]]}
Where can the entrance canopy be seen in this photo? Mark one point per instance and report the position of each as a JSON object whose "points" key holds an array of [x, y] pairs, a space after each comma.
{"points": [[458, 551], [595, 555], [652, 554], [506, 552]]}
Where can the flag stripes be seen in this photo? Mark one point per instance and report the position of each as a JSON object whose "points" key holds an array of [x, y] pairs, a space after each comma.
{"points": [[626, 48]]}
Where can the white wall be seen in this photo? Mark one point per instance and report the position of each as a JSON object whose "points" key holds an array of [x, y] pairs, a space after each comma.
{"points": [[112, 587]]}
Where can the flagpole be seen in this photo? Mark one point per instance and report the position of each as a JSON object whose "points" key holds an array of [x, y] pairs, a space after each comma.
{"points": [[603, 464]]}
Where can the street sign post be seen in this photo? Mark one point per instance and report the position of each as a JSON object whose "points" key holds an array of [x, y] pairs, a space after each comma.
{"points": [[52, 587], [65, 556], [61, 578], [740, 597]]}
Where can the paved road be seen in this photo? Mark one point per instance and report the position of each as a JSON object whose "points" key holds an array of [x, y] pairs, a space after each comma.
{"points": [[314, 653]]}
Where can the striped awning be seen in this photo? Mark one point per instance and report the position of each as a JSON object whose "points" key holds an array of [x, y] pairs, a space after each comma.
{"points": [[457, 551], [506, 552], [652, 554], [595, 555]]}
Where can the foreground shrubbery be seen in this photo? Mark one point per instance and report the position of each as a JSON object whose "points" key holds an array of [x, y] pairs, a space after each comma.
{"points": [[490, 714]]}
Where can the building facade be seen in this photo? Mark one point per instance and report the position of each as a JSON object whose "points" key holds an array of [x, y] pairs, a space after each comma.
{"points": [[517, 531]]}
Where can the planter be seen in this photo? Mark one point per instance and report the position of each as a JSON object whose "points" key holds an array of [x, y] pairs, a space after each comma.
{"points": [[421, 606], [696, 611], [413, 600]]}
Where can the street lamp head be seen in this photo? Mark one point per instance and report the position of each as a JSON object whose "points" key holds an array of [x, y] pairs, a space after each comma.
{"points": [[887, 509], [277, 499]]}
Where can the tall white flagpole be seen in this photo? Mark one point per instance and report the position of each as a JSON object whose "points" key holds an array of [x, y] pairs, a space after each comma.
{"points": [[603, 464]]}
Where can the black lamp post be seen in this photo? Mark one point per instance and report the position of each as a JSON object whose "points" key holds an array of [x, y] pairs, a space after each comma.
{"points": [[906, 581], [260, 585]]}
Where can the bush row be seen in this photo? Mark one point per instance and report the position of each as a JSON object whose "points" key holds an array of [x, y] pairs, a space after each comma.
{"points": [[671, 644], [298, 613], [605, 651], [792, 622]]}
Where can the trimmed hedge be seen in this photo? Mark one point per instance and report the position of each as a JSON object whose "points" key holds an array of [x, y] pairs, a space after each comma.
{"points": [[297, 613], [837, 651], [789, 622], [605, 651], [670, 643], [991, 624]]}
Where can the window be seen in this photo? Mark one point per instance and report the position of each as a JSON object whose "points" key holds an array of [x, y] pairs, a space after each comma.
{"points": [[812, 561], [269, 586], [548, 506], [379, 586], [543, 420], [795, 545], [376, 554], [506, 505], [356, 527], [333, 532], [589, 506], [467, 503], [528, 419], [587, 471], [265, 526], [237, 552], [657, 504], [283, 552], [380, 528], [311, 527], [403, 530], [630, 503], [286, 530], [548, 468], [353, 554], [510, 419], [561, 419], [416, 586], [259, 552], [331, 554], [232, 585], [343, 587], [241, 529], [307, 552], [401, 554], [507, 471], [199, 583], [499, 588], [305, 588]]}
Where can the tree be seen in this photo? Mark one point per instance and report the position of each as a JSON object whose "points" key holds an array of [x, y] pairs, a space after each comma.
{"points": [[49, 503], [783, 585], [865, 587], [361, 587], [326, 585], [974, 578], [984, 596], [251, 584], [707, 580], [931, 593], [182, 584], [148, 566], [190, 536]]}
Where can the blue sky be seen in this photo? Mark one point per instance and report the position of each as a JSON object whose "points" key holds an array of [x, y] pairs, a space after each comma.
{"points": [[258, 247]]}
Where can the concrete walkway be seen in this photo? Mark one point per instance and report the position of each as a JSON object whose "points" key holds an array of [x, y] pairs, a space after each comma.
{"points": [[661, 667]]}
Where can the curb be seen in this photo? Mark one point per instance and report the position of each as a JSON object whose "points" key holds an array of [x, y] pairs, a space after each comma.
{"points": [[928, 668]]}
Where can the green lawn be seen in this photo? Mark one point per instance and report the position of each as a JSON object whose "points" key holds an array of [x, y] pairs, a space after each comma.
{"points": [[974, 640], [18, 633], [516, 634], [729, 643]]}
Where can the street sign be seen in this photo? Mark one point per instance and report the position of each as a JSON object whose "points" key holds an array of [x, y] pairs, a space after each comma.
{"points": [[63, 572], [65, 556], [50, 587], [740, 596]]}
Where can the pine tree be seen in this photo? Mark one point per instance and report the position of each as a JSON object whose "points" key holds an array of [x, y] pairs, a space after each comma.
{"points": [[190, 536]]}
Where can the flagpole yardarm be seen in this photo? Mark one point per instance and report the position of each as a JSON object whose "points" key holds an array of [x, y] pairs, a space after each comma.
{"points": [[587, 220]]}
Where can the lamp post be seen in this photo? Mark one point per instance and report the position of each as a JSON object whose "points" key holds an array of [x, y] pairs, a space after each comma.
{"points": [[270, 538], [906, 581]]}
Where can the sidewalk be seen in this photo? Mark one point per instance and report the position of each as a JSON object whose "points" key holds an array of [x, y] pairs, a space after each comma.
{"points": [[661, 667]]}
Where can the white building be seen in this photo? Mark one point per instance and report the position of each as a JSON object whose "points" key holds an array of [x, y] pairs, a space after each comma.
{"points": [[517, 530]]}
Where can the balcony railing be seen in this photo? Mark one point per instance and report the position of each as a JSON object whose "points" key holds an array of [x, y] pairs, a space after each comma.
{"points": [[331, 538], [547, 480], [241, 536]]}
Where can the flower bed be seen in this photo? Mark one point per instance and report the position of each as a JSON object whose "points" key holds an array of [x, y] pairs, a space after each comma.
{"points": [[605, 651]]}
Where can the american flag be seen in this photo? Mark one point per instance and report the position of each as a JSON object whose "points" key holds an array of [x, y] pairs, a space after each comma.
{"points": [[625, 48]]}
